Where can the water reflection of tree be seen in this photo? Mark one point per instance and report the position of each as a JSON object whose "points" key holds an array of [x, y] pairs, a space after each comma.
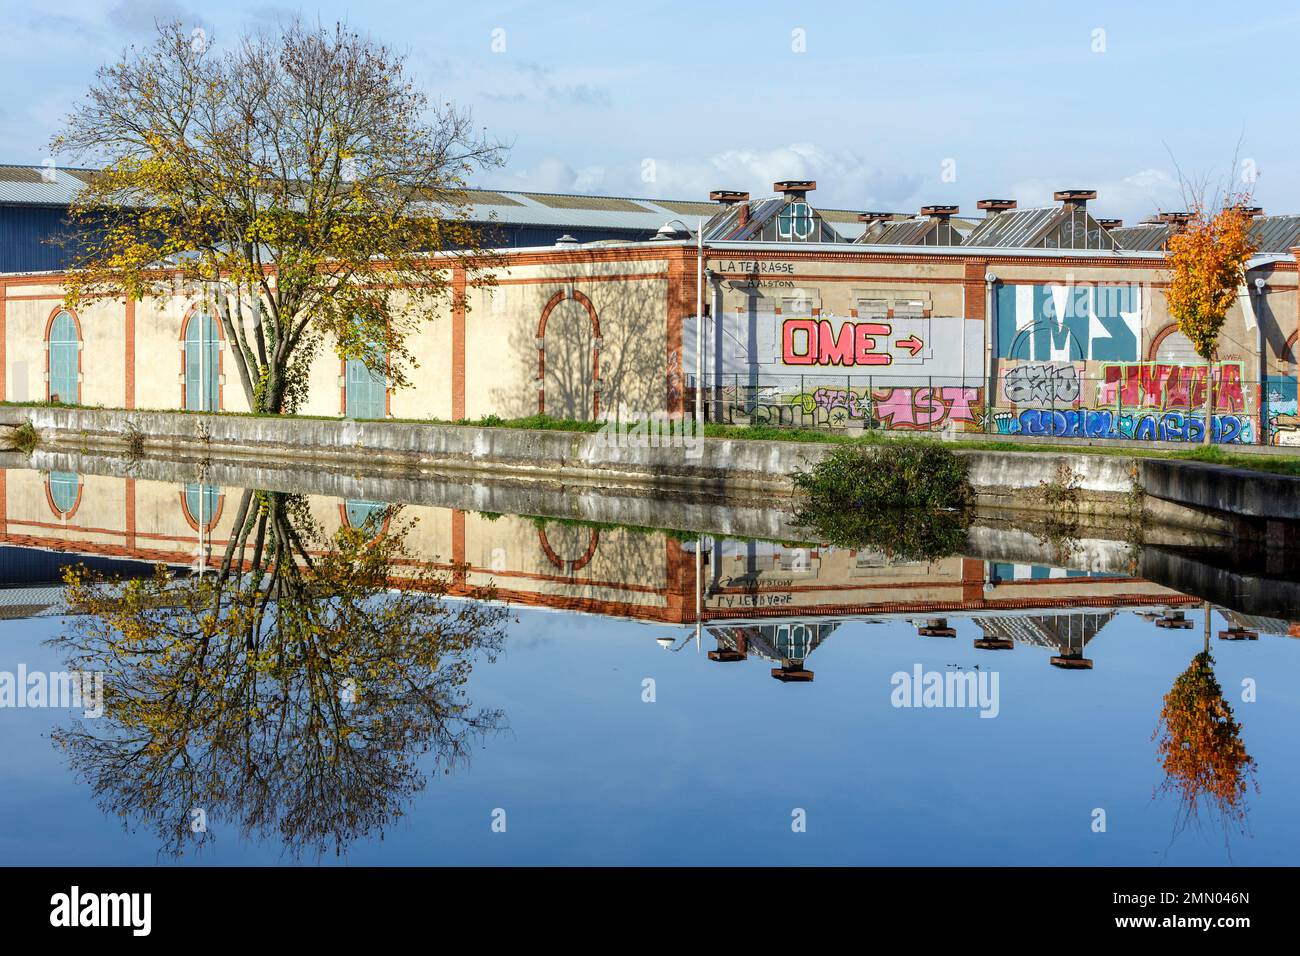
{"points": [[1200, 746], [293, 692]]}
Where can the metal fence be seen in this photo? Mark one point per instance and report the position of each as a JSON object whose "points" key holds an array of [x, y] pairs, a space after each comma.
{"points": [[1033, 400]]}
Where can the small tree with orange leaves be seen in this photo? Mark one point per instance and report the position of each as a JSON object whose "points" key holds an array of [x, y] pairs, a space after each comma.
{"points": [[1208, 260]]}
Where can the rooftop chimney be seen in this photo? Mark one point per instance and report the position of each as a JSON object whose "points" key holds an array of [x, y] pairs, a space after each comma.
{"points": [[939, 213], [1075, 197], [994, 207], [795, 188], [728, 197], [1110, 223]]}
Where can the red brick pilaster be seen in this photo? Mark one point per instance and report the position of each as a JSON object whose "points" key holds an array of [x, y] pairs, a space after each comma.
{"points": [[129, 326], [458, 342]]}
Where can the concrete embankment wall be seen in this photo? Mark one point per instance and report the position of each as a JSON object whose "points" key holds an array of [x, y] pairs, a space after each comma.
{"points": [[1191, 494]]}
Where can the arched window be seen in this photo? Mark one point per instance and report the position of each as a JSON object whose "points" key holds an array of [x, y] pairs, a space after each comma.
{"points": [[202, 505], [365, 391], [202, 363], [64, 491], [64, 343]]}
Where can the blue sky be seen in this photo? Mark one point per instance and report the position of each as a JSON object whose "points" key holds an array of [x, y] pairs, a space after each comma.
{"points": [[671, 99]]}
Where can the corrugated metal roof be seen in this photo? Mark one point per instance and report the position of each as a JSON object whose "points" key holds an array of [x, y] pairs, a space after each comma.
{"points": [[1017, 228], [1276, 234], [1150, 236], [39, 186]]}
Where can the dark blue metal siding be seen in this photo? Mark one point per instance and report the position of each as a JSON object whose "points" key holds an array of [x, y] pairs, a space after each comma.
{"points": [[25, 232]]}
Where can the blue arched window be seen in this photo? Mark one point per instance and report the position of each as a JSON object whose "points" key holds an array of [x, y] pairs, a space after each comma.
{"points": [[366, 391], [65, 488], [65, 360], [202, 503], [358, 512], [202, 363]]}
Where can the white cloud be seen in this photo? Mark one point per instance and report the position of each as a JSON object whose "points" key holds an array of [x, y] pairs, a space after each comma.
{"points": [[844, 179], [1131, 198]]}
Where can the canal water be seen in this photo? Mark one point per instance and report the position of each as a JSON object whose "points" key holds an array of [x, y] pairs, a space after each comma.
{"points": [[544, 689]]}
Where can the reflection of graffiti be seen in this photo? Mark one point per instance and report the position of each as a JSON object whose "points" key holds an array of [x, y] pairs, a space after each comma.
{"points": [[1062, 323], [1142, 426], [1041, 384], [1171, 386], [925, 407]]}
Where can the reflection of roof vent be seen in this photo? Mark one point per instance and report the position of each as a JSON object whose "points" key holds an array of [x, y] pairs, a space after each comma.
{"points": [[566, 240], [795, 188], [874, 216], [993, 207], [728, 197], [939, 212], [1110, 223], [1075, 197]]}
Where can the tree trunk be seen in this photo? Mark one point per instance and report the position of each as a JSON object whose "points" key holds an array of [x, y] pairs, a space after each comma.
{"points": [[1209, 402]]}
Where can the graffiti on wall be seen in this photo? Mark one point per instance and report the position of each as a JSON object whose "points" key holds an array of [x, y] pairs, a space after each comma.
{"points": [[913, 408], [1145, 401], [1163, 385], [1041, 384], [1139, 425], [1280, 393], [1064, 323]]}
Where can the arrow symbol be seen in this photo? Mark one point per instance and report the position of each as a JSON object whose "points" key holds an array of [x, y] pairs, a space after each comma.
{"points": [[911, 343]]}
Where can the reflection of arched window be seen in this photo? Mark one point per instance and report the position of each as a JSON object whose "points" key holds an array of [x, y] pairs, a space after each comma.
{"points": [[63, 339], [202, 505], [64, 491], [358, 512], [202, 363]]}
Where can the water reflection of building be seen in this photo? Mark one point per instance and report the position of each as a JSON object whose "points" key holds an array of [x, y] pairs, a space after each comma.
{"points": [[788, 644], [1068, 634], [786, 597]]}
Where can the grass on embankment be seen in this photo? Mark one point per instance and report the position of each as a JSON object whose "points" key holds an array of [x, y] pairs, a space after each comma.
{"points": [[1211, 454]]}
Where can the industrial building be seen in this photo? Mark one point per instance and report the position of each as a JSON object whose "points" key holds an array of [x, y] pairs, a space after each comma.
{"points": [[1045, 321]]}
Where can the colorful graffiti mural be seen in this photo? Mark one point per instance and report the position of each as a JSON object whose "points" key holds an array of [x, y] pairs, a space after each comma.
{"points": [[1280, 394], [914, 408], [1063, 323], [1161, 385], [1139, 425]]}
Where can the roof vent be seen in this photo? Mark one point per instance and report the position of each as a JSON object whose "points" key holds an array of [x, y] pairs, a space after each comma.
{"points": [[1075, 197], [1110, 223], [1173, 218], [1254, 212], [993, 207], [795, 188], [870, 217], [939, 212], [728, 197], [566, 240]]}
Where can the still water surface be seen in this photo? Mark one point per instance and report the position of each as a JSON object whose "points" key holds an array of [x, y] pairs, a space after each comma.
{"points": [[649, 697]]}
